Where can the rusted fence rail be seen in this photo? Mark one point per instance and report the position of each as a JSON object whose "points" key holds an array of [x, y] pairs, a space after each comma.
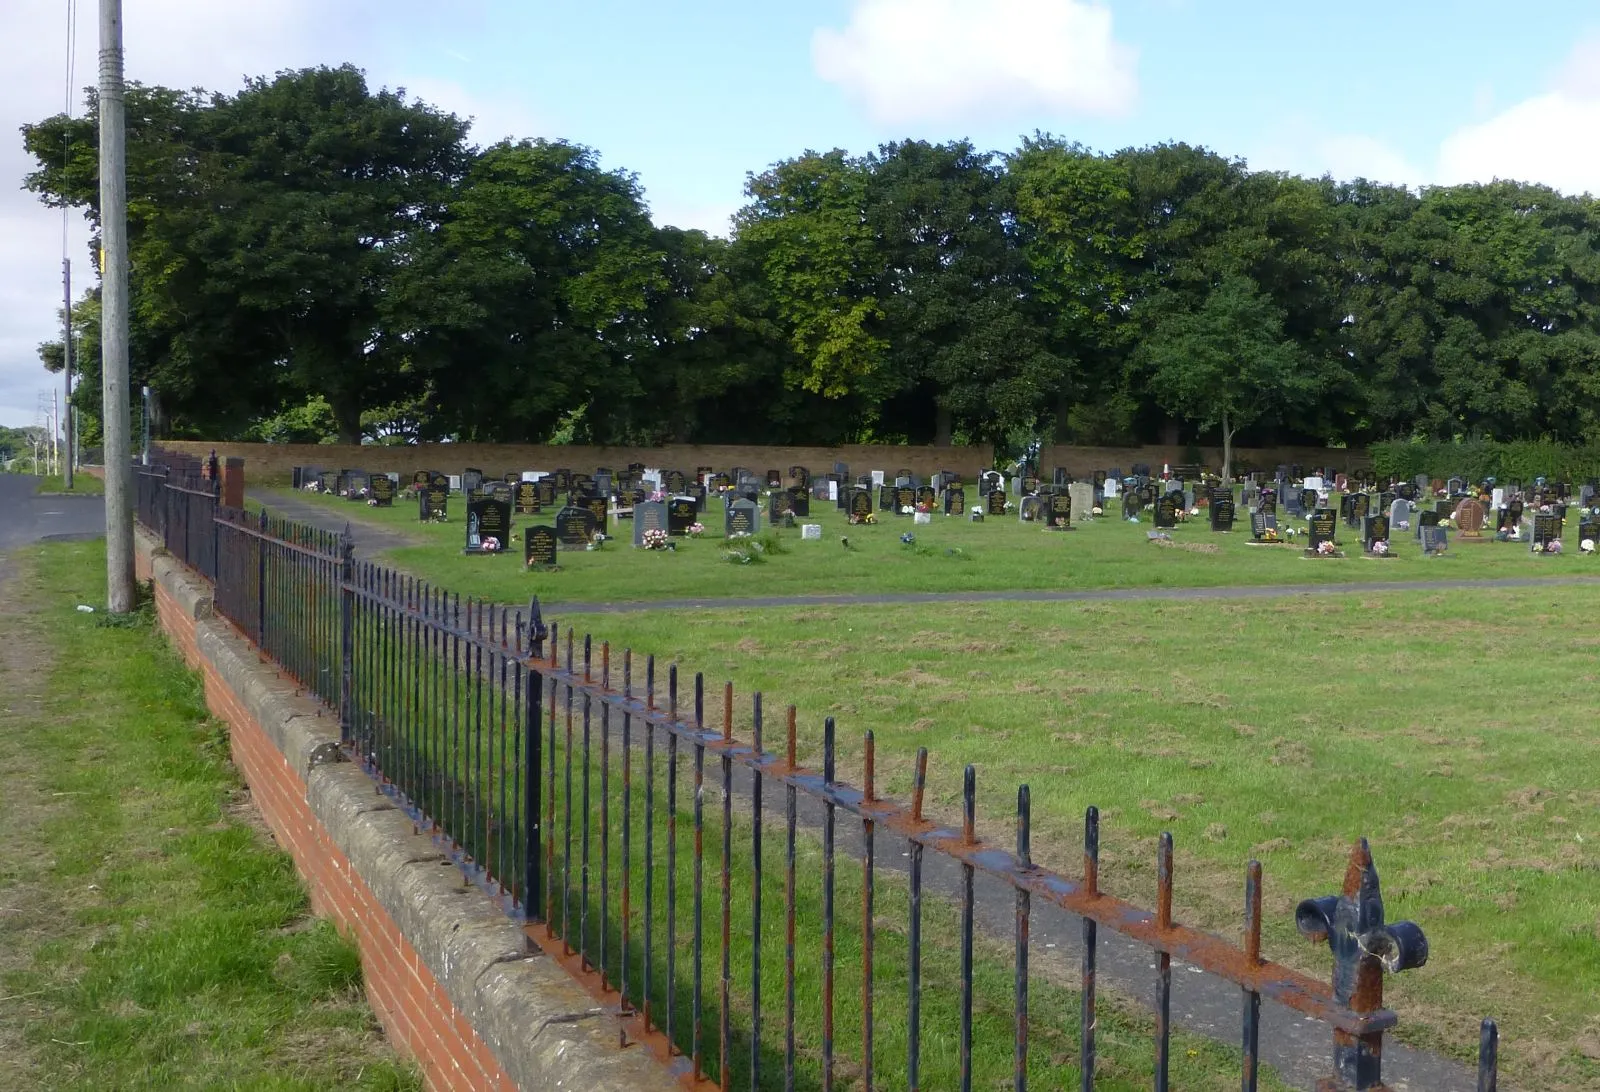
{"points": [[554, 773]]}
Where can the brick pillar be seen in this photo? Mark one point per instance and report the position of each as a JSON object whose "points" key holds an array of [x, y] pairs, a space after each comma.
{"points": [[233, 482]]}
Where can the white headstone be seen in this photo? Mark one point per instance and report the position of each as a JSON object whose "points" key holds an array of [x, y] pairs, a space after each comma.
{"points": [[833, 490], [922, 517], [877, 479], [1314, 483], [1113, 488], [455, 483], [1082, 494], [811, 530], [1498, 499]]}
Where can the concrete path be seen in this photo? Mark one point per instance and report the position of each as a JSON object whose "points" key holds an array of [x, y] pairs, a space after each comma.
{"points": [[371, 538], [27, 517]]}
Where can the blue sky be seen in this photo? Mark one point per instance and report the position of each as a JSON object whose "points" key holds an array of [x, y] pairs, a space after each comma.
{"points": [[693, 95]]}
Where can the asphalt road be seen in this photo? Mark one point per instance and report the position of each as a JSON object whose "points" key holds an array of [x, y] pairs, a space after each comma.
{"points": [[26, 517]]}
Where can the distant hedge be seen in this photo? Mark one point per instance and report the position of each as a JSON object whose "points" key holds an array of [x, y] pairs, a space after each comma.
{"points": [[1515, 460]]}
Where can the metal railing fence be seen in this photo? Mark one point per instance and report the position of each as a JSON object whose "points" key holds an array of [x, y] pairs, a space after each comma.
{"points": [[554, 773]]}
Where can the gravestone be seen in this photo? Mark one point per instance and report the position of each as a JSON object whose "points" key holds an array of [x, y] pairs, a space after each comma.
{"points": [[698, 492], [500, 491], [1435, 540], [1269, 502], [1589, 528], [927, 496], [1347, 510], [1167, 510], [676, 482], [382, 491], [800, 503], [1294, 503], [1262, 521], [860, 504], [471, 480], [421, 478], [681, 514], [780, 502], [1030, 509], [904, 497], [1058, 513], [886, 498], [433, 503], [525, 499], [955, 500], [488, 525], [997, 502], [329, 481], [1374, 529], [539, 547], [1407, 491], [545, 490], [742, 517], [1082, 494], [1469, 517], [1132, 504], [1386, 500], [1363, 506], [1324, 523], [356, 483], [1513, 515], [601, 511], [1424, 520], [574, 526], [1222, 509], [800, 477], [649, 516], [774, 479], [1546, 528], [1309, 499]]}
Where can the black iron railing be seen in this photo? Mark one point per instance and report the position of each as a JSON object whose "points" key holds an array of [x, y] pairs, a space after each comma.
{"points": [[554, 774]]}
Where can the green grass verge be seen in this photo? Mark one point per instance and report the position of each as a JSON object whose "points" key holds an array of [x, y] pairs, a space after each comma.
{"points": [[1452, 728], [151, 936], [951, 554], [81, 483]]}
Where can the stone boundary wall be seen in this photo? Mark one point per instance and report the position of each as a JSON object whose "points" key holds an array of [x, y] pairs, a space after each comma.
{"points": [[456, 984], [275, 460]]}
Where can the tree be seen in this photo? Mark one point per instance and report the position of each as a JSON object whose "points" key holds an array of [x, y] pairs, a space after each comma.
{"points": [[1225, 363]]}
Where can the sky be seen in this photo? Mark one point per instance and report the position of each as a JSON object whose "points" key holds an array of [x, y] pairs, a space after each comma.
{"points": [[692, 95]]}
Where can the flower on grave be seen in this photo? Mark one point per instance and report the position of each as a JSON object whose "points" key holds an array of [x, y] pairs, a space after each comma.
{"points": [[738, 535], [867, 518], [695, 529], [655, 539], [908, 539], [1096, 511], [1537, 548], [1326, 547], [489, 544], [924, 507], [1290, 532], [1544, 509], [1553, 546], [372, 502], [1194, 511], [906, 509], [1380, 548], [1587, 545], [1514, 534]]}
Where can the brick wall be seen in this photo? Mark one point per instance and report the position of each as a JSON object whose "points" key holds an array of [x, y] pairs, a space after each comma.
{"points": [[1086, 460], [417, 1015], [496, 459]]}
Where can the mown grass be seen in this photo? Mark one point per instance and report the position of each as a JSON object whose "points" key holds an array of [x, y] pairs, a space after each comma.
{"points": [[152, 937], [81, 483], [950, 554], [1453, 729]]}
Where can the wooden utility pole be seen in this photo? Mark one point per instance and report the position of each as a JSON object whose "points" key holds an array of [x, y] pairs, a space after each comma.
{"points": [[120, 589]]}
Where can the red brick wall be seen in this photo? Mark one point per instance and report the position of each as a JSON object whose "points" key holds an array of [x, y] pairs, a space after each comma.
{"points": [[414, 1010]]}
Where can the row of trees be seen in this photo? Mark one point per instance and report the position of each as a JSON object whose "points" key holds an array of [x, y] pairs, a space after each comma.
{"points": [[315, 259]]}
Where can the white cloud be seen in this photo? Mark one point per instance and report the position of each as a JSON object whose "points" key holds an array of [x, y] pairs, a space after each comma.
{"points": [[1353, 156], [916, 61], [1548, 138]]}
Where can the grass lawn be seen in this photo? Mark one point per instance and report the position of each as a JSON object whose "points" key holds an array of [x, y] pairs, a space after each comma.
{"points": [[81, 483], [951, 554], [150, 934], [1452, 728]]}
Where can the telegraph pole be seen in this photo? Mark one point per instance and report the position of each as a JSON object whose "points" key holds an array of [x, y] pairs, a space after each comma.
{"points": [[120, 595], [66, 344]]}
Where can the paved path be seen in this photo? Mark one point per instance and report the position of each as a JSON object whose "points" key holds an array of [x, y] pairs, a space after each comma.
{"points": [[26, 517], [371, 539]]}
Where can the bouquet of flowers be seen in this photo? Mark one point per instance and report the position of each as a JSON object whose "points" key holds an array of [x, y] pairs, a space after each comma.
{"points": [[1380, 548], [655, 539], [1587, 545], [696, 529], [1096, 511], [867, 518], [1553, 546], [489, 544], [906, 509], [924, 507], [1326, 548]]}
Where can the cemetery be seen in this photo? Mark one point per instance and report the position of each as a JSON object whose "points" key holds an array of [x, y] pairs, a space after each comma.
{"points": [[1275, 724]]}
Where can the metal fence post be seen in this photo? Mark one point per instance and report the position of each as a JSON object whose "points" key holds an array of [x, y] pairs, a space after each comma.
{"points": [[347, 635], [261, 581], [533, 748]]}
